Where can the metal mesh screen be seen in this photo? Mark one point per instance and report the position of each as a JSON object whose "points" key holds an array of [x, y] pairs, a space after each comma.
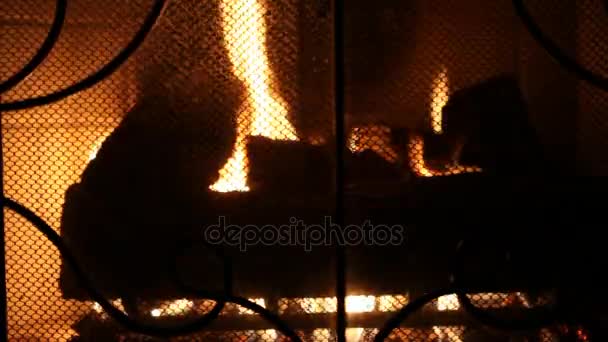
{"points": [[591, 45], [47, 148], [235, 99]]}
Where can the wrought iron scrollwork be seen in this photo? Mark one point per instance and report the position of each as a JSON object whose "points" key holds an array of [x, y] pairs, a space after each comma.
{"points": [[44, 50], [555, 51], [131, 324], [99, 75], [227, 296]]}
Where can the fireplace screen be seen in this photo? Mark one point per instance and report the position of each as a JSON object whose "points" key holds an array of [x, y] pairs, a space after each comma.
{"points": [[274, 170]]}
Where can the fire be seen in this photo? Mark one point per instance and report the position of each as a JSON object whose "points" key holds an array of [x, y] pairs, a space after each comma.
{"points": [[416, 157], [452, 334], [389, 303], [233, 176], [373, 137], [259, 301], [448, 303], [100, 311], [356, 304], [439, 98], [97, 146], [360, 304], [173, 308], [268, 335], [263, 113]]}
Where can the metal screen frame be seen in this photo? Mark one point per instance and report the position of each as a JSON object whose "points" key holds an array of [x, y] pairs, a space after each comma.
{"points": [[341, 146]]}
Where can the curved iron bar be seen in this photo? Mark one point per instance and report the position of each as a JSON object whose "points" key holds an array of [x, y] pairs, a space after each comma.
{"points": [[115, 313], [549, 318], [263, 312], [128, 322], [483, 317], [479, 314], [100, 74], [221, 300], [43, 51], [408, 310], [555, 51], [181, 248]]}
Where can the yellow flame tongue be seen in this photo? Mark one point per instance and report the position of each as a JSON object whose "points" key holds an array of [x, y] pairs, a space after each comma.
{"points": [[263, 113]]}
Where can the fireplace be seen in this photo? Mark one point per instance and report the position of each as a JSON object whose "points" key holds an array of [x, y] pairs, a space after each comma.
{"points": [[280, 166]]}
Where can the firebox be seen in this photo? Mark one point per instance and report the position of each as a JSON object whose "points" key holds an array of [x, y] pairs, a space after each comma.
{"points": [[314, 170]]}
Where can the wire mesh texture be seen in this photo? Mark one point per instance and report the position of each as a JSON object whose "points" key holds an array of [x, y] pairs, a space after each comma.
{"points": [[176, 126]]}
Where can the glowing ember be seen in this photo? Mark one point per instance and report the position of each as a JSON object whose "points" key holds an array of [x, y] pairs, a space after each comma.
{"points": [[448, 303], [582, 335], [96, 147], [97, 308], [418, 164], [100, 311], [360, 304], [264, 113], [391, 303], [353, 304], [173, 308], [321, 335], [452, 334], [416, 157], [373, 137], [258, 301], [317, 305], [269, 335], [179, 307], [356, 304]]}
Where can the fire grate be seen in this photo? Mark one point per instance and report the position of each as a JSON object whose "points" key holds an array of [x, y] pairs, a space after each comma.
{"points": [[140, 126]]}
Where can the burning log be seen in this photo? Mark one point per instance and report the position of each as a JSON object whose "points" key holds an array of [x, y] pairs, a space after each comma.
{"points": [[289, 167], [490, 121], [138, 196], [298, 168]]}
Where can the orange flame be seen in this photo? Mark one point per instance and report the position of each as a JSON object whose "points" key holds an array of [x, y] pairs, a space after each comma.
{"points": [[416, 157], [439, 98], [264, 113]]}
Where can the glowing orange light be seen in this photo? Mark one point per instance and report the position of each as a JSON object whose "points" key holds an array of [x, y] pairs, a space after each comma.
{"points": [[439, 98], [448, 303], [173, 308], [96, 147], [452, 334], [259, 301], [373, 137], [264, 113], [356, 304], [416, 157]]}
